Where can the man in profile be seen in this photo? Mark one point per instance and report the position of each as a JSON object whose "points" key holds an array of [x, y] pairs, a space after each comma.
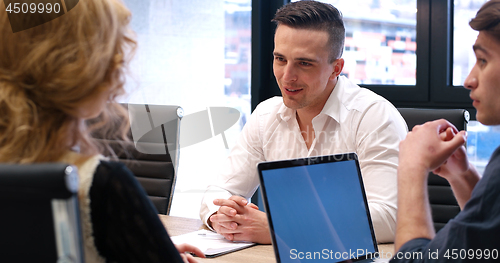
{"points": [[319, 113], [474, 234]]}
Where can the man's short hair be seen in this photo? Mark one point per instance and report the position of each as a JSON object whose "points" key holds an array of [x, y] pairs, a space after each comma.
{"points": [[315, 16], [488, 19]]}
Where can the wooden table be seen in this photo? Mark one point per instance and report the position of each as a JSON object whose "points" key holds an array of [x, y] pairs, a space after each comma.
{"points": [[259, 253]]}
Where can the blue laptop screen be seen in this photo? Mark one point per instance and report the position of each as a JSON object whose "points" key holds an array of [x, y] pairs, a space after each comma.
{"points": [[318, 212]]}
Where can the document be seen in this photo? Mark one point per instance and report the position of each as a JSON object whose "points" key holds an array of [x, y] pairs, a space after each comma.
{"points": [[211, 243]]}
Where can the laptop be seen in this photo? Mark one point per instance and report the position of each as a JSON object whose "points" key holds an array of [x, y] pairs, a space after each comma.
{"points": [[317, 209]]}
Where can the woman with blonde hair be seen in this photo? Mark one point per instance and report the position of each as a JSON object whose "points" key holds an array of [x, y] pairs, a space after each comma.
{"points": [[53, 77]]}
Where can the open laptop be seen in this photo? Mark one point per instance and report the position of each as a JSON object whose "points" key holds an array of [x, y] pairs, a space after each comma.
{"points": [[317, 209]]}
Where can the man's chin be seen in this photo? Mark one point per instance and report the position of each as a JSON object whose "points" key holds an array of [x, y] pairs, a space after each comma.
{"points": [[291, 104], [487, 120]]}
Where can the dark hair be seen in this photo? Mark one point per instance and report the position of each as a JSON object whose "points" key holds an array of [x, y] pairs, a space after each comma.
{"points": [[488, 19], [316, 16]]}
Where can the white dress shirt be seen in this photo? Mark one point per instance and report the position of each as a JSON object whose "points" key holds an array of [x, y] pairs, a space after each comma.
{"points": [[353, 119]]}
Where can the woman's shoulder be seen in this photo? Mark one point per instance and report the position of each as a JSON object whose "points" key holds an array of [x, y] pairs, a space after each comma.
{"points": [[112, 170], [110, 166]]}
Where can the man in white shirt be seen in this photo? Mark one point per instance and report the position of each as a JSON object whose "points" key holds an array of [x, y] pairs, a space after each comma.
{"points": [[319, 113]]}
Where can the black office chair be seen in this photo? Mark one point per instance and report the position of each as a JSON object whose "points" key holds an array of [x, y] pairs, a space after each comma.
{"points": [[153, 153], [40, 219], [444, 206]]}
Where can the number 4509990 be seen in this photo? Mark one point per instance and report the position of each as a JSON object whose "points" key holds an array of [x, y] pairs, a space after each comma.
{"points": [[33, 8]]}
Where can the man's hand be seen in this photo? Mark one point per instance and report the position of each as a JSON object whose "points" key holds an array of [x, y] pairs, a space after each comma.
{"points": [[187, 258], [457, 164], [237, 220], [426, 147], [461, 174]]}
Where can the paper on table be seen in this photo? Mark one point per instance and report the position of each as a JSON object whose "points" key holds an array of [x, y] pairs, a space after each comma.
{"points": [[211, 243]]}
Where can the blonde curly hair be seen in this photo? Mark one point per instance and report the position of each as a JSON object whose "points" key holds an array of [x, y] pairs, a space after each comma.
{"points": [[48, 73]]}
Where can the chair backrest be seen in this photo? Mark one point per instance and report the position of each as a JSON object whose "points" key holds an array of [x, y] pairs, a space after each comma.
{"points": [[40, 219], [153, 153], [444, 206]]}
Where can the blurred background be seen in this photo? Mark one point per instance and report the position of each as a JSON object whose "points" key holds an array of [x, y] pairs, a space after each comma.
{"points": [[198, 54]]}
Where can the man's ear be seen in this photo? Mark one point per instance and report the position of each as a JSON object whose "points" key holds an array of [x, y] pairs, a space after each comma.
{"points": [[338, 66]]}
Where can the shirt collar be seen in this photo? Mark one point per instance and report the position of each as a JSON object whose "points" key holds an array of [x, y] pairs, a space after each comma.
{"points": [[334, 104], [285, 113]]}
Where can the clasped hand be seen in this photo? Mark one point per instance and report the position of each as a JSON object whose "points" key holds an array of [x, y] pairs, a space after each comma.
{"points": [[435, 146], [238, 220]]}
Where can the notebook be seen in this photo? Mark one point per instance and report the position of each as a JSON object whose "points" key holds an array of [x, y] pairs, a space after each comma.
{"points": [[317, 209], [210, 243]]}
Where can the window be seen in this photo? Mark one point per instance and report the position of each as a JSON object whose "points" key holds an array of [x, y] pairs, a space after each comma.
{"points": [[387, 48], [195, 54], [405, 53], [380, 45], [463, 39], [481, 143]]}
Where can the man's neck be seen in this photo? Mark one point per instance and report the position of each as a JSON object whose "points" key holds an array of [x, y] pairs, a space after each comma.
{"points": [[306, 129], [304, 119], [306, 115]]}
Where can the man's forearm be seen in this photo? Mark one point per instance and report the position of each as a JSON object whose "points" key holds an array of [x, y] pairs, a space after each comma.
{"points": [[413, 217], [462, 186]]}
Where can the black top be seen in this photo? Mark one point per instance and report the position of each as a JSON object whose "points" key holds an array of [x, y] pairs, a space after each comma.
{"points": [[126, 226], [473, 235]]}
